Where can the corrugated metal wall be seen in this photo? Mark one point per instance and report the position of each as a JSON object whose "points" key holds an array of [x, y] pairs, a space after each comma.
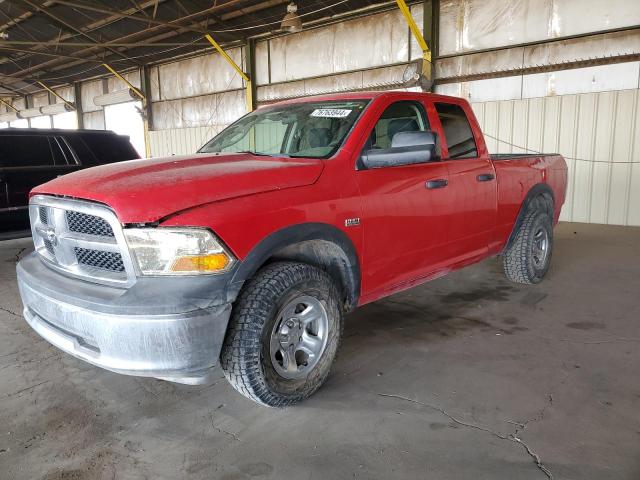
{"points": [[179, 141], [598, 133]]}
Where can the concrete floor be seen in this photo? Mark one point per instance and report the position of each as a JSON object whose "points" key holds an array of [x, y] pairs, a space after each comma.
{"points": [[466, 377]]}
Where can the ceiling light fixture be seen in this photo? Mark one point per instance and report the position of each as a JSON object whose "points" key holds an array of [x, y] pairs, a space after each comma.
{"points": [[291, 22]]}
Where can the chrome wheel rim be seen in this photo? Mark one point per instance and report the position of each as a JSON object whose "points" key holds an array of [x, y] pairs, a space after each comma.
{"points": [[299, 337], [540, 247]]}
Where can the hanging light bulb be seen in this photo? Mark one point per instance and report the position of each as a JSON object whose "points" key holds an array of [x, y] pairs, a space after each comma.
{"points": [[291, 22]]}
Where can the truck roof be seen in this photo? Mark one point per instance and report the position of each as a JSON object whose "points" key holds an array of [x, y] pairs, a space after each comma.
{"points": [[367, 95]]}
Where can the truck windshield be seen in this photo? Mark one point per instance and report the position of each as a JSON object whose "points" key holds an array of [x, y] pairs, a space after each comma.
{"points": [[313, 130]]}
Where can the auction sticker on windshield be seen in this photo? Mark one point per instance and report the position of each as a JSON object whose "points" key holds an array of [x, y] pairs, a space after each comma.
{"points": [[330, 113]]}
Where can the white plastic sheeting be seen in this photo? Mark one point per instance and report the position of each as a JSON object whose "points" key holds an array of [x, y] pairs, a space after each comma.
{"points": [[196, 76], [554, 53], [598, 133], [467, 25], [40, 100], [620, 76], [65, 92], [88, 91], [94, 120], [219, 109], [363, 43], [114, 83]]}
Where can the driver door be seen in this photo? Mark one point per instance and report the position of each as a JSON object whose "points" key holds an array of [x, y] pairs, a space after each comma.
{"points": [[405, 209]]}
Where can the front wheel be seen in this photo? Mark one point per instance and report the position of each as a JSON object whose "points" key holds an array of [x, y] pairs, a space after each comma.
{"points": [[528, 257], [283, 334]]}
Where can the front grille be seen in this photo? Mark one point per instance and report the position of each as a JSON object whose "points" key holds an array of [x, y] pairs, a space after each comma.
{"points": [[98, 259], [79, 222], [81, 239], [49, 246], [44, 215]]}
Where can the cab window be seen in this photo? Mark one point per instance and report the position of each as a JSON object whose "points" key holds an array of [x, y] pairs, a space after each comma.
{"points": [[403, 116], [457, 131]]}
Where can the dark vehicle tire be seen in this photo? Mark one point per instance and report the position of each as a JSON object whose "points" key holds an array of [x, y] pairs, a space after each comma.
{"points": [[528, 257], [283, 335]]}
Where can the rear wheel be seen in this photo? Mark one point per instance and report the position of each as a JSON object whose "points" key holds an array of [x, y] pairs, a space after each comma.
{"points": [[528, 257], [283, 335]]}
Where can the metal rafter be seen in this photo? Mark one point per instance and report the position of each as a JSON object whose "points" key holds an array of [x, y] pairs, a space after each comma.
{"points": [[178, 29], [69, 26], [234, 19]]}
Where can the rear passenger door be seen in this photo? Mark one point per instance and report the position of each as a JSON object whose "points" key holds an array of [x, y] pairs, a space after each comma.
{"points": [[472, 183]]}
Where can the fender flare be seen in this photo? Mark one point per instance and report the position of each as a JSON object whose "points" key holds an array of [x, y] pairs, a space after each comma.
{"points": [[341, 254], [535, 191]]}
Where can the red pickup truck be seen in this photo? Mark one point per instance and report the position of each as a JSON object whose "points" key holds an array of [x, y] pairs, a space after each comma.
{"points": [[249, 253]]}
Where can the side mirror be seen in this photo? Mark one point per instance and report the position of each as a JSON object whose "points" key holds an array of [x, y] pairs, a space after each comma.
{"points": [[407, 148]]}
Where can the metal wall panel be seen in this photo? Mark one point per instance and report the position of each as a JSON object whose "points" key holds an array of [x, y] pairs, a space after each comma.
{"points": [[180, 141], [599, 135]]}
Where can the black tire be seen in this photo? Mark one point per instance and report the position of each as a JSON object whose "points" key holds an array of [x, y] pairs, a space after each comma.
{"points": [[245, 357], [521, 261]]}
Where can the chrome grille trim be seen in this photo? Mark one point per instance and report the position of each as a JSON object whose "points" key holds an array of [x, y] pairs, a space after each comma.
{"points": [[81, 239]]}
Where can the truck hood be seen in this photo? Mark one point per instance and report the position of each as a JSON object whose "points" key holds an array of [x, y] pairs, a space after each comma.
{"points": [[142, 191]]}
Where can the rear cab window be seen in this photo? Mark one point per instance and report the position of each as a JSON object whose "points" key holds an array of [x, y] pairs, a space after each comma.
{"points": [[457, 132]]}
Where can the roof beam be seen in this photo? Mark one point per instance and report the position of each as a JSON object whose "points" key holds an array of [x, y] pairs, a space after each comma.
{"points": [[67, 25], [56, 65], [91, 44], [152, 21]]}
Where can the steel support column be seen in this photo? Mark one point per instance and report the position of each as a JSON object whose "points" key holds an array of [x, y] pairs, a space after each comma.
{"points": [[422, 43], [145, 86], [252, 93], [77, 101]]}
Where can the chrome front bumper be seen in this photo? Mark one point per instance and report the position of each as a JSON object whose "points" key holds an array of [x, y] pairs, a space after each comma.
{"points": [[112, 329]]}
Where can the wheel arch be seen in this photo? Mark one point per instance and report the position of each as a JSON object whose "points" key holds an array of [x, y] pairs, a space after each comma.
{"points": [[541, 194], [318, 244]]}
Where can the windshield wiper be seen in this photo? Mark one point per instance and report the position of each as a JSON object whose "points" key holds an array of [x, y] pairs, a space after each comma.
{"points": [[262, 154]]}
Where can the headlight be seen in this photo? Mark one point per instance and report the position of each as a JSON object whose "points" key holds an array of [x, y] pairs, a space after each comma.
{"points": [[177, 251]]}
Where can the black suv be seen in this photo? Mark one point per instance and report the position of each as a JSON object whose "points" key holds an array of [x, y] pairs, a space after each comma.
{"points": [[29, 157]]}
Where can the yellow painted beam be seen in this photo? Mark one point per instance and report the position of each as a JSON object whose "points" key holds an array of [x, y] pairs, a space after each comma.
{"points": [[415, 30], [236, 67], [227, 57], [9, 105], [70, 105], [134, 89]]}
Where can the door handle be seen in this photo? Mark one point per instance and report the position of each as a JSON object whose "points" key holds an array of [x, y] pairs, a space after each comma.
{"points": [[485, 177], [433, 184]]}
